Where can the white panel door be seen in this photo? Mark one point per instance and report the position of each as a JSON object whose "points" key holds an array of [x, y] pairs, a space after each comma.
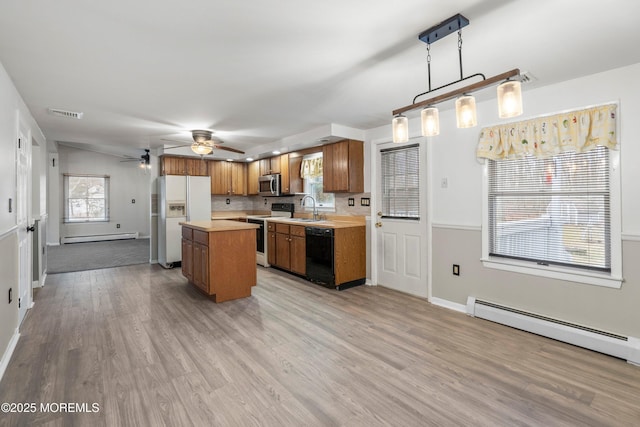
{"points": [[23, 199], [401, 258]]}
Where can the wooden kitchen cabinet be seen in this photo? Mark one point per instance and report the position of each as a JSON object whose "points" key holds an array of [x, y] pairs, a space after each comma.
{"points": [[197, 167], [227, 178], [298, 250], [253, 173], [271, 243], [219, 258], [294, 181], [172, 165], [343, 167], [290, 248], [270, 166]]}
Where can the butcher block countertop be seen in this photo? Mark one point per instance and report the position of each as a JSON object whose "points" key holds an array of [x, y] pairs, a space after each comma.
{"points": [[218, 225]]}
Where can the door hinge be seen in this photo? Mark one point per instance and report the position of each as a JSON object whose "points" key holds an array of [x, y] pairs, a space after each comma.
{"points": [[19, 300], [19, 142]]}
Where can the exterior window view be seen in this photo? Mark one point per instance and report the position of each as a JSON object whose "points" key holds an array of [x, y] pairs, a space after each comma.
{"points": [[553, 210], [87, 198]]}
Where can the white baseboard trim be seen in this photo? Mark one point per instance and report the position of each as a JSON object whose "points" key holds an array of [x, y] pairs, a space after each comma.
{"points": [[153, 261], [448, 304], [368, 282], [6, 357], [53, 244]]}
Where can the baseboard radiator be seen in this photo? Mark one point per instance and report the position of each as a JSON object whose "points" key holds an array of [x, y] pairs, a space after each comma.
{"points": [[627, 348], [99, 237]]}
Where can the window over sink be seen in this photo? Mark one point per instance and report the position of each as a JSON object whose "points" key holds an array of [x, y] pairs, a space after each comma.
{"points": [[311, 173]]}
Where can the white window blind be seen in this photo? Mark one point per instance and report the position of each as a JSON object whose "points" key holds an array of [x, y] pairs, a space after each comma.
{"points": [[552, 211], [400, 182], [86, 198]]}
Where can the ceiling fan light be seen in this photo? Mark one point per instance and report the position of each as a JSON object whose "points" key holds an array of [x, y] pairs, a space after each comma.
{"points": [[430, 119], [400, 127], [201, 148], [466, 112], [509, 99]]}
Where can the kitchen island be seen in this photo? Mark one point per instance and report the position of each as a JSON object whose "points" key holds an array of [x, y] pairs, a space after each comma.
{"points": [[219, 257]]}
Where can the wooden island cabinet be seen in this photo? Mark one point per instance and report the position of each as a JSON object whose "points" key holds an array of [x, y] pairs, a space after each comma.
{"points": [[219, 257]]}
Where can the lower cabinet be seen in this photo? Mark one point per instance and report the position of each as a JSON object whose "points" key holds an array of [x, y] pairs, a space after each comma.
{"points": [[289, 248], [195, 257]]}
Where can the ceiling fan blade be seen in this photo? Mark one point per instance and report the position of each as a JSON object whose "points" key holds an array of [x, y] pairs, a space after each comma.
{"points": [[130, 160], [219, 147]]}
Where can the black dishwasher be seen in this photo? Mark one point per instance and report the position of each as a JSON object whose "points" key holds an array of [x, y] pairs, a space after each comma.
{"points": [[319, 246]]}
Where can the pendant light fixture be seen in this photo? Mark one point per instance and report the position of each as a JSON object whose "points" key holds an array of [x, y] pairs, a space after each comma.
{"points": [[509, 91], [509, 99], [400, 126], [466, 112], [430, 119]]}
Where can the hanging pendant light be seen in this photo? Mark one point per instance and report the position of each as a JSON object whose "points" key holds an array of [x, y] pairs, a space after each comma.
{"points": [[466, 111], [430, 121], [509, 99], [400, 126]]}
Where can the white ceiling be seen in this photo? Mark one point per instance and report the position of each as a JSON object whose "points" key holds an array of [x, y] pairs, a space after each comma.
{"points": [[257, 72]]}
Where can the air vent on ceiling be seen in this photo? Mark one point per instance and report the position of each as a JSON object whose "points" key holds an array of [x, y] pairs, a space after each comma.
{"points": [[527, 77], [65, 113]]}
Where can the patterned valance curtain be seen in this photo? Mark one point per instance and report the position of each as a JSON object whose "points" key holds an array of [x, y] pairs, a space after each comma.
{"points": [[311, 168], [543, 137]]}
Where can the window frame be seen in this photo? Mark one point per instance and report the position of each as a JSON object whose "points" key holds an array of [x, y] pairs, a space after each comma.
{"points": [[611, 279], [407, 147], [308, 207], [107, 189]]}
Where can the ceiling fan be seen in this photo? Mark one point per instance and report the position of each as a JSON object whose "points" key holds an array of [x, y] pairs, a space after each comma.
{"points": [[203, 143], [145, 160]]}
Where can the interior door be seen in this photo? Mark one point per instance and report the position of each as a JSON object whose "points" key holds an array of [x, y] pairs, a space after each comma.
{"points": [[401, 224], [23, 198]]}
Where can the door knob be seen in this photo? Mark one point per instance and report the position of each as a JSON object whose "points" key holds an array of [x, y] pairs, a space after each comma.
{"points": [[378, 224], [380, 213], [31, 229]]}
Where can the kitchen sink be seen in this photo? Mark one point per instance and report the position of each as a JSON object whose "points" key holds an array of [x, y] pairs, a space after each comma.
{"points": [[305, 220]]}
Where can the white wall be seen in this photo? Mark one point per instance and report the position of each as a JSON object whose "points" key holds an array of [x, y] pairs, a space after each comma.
{"points": [[127, 182]]}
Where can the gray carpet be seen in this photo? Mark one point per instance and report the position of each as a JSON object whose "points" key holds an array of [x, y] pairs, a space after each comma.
{"points": [[95, 255]]}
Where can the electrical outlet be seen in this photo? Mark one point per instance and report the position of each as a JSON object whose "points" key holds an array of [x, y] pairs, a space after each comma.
{"points": [[228, 201], [365, 201], [117, 225], [352, 201], [456, 270]]}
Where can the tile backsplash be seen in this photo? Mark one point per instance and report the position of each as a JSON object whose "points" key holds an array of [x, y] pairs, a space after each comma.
{"points": [[257, 203]]}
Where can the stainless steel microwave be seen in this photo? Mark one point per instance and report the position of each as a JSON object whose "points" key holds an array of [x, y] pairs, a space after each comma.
{"points": [[270, 185]]}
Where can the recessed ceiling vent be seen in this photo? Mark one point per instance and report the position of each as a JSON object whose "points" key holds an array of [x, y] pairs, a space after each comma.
{"points": [[527, 77], [65, 113]]}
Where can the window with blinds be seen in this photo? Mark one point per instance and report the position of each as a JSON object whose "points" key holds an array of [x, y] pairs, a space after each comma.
{"points": [[86, 198], [400, 182], [552, 211]]}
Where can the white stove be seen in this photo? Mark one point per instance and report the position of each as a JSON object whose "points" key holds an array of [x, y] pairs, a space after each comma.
{"points": [[278, 210]]}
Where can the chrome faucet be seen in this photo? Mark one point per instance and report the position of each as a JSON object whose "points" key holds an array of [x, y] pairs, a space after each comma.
{"points": [[315, 210]]}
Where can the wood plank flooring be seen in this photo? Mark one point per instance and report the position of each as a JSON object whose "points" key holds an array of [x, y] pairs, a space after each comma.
{"points": [[151, 350]]}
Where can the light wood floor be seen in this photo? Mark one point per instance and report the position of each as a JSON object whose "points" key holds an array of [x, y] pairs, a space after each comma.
{"points": [[151, 350]]}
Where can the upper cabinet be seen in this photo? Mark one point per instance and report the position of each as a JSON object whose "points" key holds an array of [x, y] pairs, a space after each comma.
{"points": [[228, 178], [343, 167], [170, 165], [270, 166], [291, 181], [253, 173], [197, 167]]}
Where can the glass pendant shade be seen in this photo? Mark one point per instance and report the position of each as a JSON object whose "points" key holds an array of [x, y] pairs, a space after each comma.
{"points": [[466, 112], [509, 99], [430, 121], [400, 127], [201, 149]]}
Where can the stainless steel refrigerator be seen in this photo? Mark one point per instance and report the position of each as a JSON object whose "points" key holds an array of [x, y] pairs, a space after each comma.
{"points": [[182, 198]]}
